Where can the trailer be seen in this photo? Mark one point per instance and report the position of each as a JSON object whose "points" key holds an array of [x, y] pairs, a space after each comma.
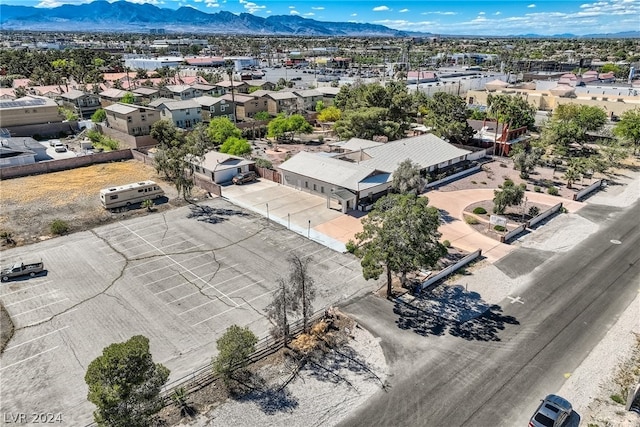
{"points": [[126, 195]]}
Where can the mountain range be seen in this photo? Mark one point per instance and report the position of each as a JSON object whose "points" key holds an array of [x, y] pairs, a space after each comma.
{"points": [[122, 16], [127, 17]]}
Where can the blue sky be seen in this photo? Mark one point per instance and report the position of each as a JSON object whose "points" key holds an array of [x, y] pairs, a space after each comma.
{"points": [[481, 17]]}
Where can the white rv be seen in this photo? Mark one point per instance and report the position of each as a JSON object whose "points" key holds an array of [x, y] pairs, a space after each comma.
{"points": [[125, 195]]}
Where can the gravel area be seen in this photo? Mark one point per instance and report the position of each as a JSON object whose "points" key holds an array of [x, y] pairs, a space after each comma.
{"points": [[316, 397], [560, 234]]}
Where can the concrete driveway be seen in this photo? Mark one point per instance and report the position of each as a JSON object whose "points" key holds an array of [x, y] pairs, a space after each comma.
{"points": [[306, 214]]}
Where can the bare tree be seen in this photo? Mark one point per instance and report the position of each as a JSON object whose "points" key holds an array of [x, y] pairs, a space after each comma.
{"points": [[302, 287], [277, 312]]}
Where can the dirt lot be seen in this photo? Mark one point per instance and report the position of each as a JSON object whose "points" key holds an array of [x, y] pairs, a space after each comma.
{"points": [[30, 204]]}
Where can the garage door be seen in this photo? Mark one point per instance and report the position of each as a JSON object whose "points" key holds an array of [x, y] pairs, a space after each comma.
{"points": [[225, 175]]}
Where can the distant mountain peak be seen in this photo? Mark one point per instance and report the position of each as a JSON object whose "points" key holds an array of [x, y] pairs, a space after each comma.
{"points": [[123, 16]]}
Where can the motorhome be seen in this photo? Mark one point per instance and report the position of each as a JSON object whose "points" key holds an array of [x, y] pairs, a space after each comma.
{"points": [[126, 195]]}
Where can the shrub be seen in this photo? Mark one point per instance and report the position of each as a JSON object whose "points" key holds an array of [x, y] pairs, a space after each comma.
{"points": [[263, 163], [446, 244], [59, 227], [483, 182], [537, 189], [351, 246], [479, 210], [534, 211], [7, 236], [471, 220], [500, 228], [617, 398], [503, 165], [473, 182], [147, 204], [552, 191]]}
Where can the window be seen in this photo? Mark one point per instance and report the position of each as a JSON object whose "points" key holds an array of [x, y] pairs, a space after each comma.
{"points": [[223, 107], [113, 197], [306, 184], [143, 118], [129, 120], [322, 190], [141, 190], [188, 112], [315, 188]]}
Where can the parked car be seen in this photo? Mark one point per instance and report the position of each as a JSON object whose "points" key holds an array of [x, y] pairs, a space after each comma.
{"points": [[244, 177], [53, 142], [22, 269], [59, 147], [552, 412]]}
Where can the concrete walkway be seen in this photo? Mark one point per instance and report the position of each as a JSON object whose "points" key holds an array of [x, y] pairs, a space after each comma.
{"points": [[463, 236]]}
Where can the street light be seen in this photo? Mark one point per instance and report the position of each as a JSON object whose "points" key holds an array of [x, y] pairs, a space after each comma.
{"points": [[309, 230], [267, 210]]}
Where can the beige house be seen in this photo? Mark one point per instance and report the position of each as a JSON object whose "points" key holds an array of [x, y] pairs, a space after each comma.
{"points": [[28, 110], [238, 87], [308, 99], [281, 102], [615, 104], [246, 106], [134, 120]]}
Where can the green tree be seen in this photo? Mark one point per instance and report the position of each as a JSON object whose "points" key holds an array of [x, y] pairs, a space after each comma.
{"points": [[512, 110], [628, 128], [407, 178], [509, 195], [320, 106], [262, 116], [368, 122], [525, 160], [221, 129], [399, 235], [128, 98], [446, 114], [286, 127], [125, 384], [235, 146], [99, 116], [234, 347], [330, 114]]}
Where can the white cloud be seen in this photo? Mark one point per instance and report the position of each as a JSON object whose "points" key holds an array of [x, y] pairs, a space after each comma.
{"points": [[251, 7], [56, 3], [439, 13], [531, 6], [318, 8], [292, 7], [403, 10], [309, 14], [497, 13], [402, 24], [481, 13], [294, 12], [380, 9], [354, 14], [212, 3]]}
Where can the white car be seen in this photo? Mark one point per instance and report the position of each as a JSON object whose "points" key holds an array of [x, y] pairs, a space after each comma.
{"points": [[59, 147]]}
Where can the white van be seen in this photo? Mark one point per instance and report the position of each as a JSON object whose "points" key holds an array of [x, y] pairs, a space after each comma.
{"points": [[126, 195]]}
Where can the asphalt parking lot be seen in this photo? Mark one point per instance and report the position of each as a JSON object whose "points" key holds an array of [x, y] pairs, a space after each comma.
{"points": [[179, 278]]}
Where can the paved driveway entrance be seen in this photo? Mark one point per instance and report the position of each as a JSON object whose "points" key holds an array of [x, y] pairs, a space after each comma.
{"points": [[306, 214]]}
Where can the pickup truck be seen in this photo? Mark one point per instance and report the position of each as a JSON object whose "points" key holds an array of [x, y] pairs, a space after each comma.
{"points": [[22, 269]]}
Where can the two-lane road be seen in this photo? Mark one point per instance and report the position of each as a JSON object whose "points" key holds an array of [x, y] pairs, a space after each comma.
{"points": [[449, 381]]}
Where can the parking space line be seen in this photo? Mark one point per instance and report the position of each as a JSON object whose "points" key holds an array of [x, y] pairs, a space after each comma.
{"points": [[26, 289], [244, 287], [179, 264], [234, 308], [28, 358], [319, 250], [11, 347], [164, 247], [301, 246], [195, 275], [35, 296], [64, 313], [42, 306], [173, 287], [354, 278], [158, 259], [211, 286], [169, 266], [342, 266]]}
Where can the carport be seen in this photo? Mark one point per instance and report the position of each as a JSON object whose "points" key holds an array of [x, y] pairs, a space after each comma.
{"points": [[346, 199]]}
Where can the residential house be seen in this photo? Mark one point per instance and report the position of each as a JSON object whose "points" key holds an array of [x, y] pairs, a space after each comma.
{"points": [[184, 114], [308, 99], [489, 133], [238, 87], [28, 110], [85, 104], [261, 84], [328, 94], [130, 119], [221, 168], [7, 93], [112, 96], [178, 92], [20, 151], [146, 94], [213, 107], [202, 89], [281, 102], [246, 106], [360, 176]]}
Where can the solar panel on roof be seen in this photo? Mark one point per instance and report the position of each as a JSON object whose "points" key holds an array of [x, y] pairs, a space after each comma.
{"points": [[31, 102]]}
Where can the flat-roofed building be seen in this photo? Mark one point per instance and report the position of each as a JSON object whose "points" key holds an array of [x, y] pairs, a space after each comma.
{"points": [[28, 110]]}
